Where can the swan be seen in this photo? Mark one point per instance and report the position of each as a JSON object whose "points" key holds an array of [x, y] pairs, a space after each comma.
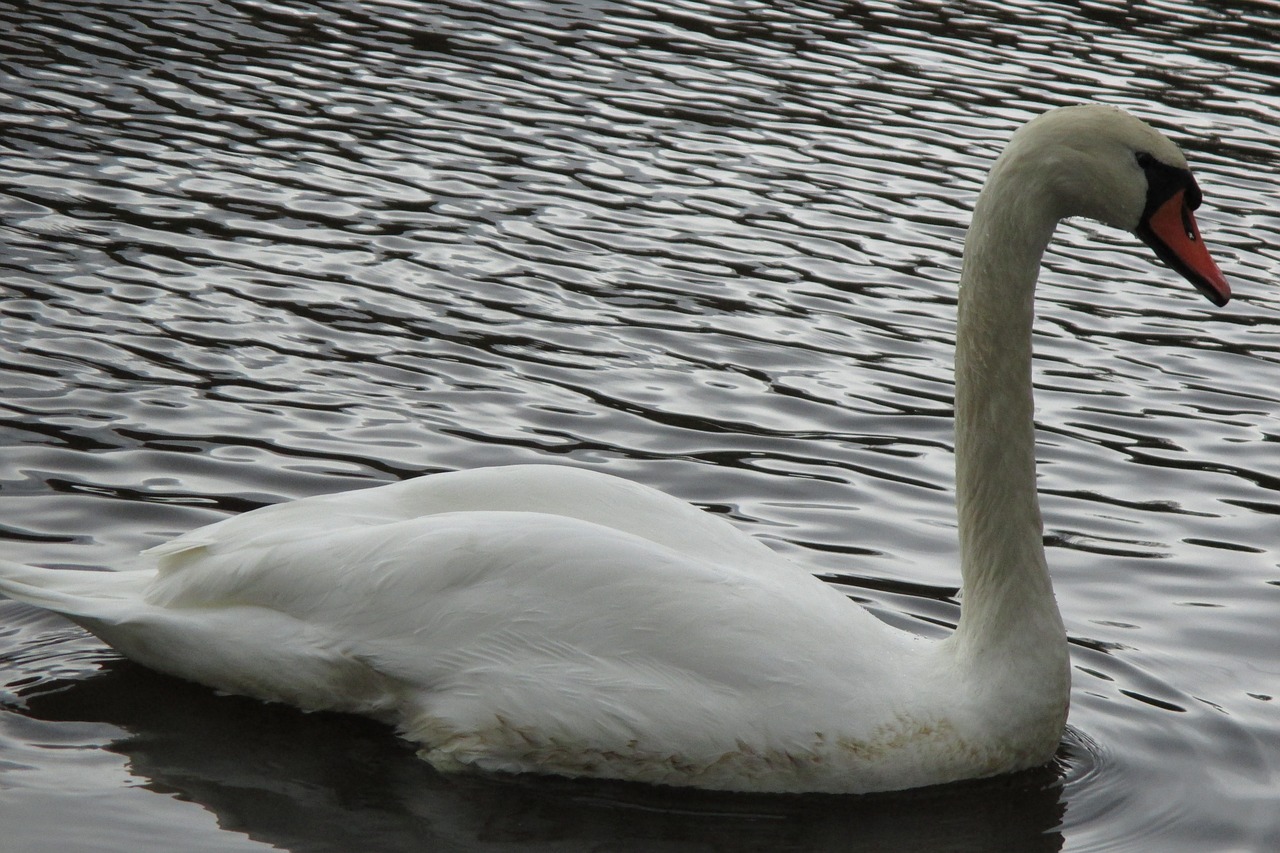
{"points": [[550, 619]]}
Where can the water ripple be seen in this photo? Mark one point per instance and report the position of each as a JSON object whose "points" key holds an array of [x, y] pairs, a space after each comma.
{"points": [[256, 250]]}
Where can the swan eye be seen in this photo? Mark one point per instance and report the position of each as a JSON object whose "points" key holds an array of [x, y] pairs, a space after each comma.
{"points": [[1144, 159], [1189, 224]]}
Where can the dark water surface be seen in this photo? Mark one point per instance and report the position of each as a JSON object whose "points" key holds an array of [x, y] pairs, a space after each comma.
{"points": [[254, 251]]}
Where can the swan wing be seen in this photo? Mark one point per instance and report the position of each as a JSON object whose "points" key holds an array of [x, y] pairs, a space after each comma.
{"points": [[548, 489], [499, 636], [623, 634]]}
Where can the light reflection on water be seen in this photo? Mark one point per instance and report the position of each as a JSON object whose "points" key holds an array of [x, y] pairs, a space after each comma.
{"points": [[256, 251]]}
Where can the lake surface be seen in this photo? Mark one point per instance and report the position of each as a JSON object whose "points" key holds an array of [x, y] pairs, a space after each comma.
{"points": [[260, 250]]}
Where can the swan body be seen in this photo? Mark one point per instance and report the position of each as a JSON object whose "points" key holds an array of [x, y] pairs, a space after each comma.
{"points": [[551, 619]]}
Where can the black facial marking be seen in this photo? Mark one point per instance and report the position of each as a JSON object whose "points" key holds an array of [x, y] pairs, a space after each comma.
{"points": [[1163, 181]]}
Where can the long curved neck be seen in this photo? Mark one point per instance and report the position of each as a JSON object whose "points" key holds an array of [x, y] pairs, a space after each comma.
{"points": [[1008, 605]]}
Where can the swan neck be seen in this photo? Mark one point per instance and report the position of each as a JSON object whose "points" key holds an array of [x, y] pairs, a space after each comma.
{"points": [[1007, 597]]}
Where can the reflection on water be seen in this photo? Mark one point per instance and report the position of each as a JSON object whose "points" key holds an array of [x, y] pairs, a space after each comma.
{"points": [[308, 782], [259, 250]]}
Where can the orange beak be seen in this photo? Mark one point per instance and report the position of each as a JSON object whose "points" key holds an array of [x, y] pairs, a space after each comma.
{"points": [[1170, 230]]}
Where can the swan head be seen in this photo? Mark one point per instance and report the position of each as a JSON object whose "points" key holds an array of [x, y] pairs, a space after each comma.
{"points": [[1104, 164]]}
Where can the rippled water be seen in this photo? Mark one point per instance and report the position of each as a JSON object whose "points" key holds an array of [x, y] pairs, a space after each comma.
{"points": [[258, 250]]}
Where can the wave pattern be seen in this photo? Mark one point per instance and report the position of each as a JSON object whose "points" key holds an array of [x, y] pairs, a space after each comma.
{"points": [[257, 250]]}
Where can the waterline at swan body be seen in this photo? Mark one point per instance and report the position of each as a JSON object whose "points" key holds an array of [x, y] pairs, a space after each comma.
{"points": [[543, 618]]}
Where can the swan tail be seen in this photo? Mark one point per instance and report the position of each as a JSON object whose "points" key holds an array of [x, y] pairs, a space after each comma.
{"points": [[80, 594]]}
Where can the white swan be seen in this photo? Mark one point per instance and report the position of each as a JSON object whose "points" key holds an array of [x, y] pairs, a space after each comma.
{"points": [[549, 619]]}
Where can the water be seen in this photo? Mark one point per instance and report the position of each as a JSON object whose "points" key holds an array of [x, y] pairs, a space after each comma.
{"points": [[256, 251]]}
